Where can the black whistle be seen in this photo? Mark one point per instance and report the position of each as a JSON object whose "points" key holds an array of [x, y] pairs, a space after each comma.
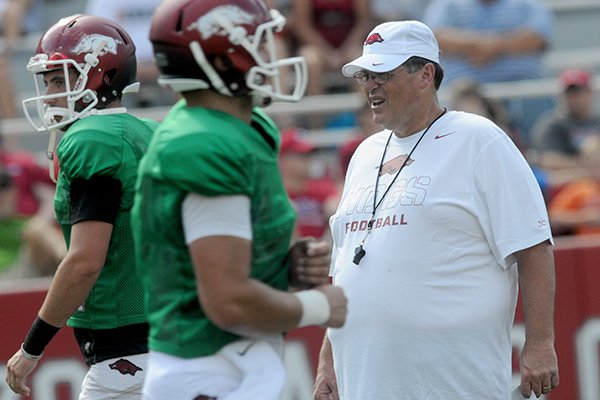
{"points": [[359, 253]]}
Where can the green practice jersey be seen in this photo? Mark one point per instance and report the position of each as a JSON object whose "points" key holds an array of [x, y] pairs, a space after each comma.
{"points": [[106, 145], [196, 150]]}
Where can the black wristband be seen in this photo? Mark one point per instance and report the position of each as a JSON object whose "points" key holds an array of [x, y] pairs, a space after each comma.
{"points": [[38, 337]]}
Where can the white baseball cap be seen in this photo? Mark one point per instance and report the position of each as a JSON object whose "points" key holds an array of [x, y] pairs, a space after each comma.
{"points": [[392, 43]]}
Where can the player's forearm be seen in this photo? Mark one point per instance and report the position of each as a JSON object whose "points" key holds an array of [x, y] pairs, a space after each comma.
{"points": [[252, 306], [234, 301], [70, 288], [538, 286]]}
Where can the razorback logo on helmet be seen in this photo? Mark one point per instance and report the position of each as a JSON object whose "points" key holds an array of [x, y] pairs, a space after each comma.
{"points": [[392, 166], [89, 43], [373, 38], [208, 24], [125, 367]]}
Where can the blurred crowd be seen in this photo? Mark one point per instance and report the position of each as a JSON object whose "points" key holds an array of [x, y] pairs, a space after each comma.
{"points": [[482, 42]]}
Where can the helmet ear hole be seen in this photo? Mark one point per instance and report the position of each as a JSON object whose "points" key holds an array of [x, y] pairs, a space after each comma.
{"points": [[109, 76], [221, 63], [233, 76], [179, 25], [109, 91]]}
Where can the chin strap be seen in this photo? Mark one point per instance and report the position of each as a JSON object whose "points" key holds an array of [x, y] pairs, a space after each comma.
{"points": [[213, 76], [50, 155]]}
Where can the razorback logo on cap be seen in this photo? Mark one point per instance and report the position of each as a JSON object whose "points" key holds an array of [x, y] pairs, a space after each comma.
{"points": [[373, 38], [125, 367]]}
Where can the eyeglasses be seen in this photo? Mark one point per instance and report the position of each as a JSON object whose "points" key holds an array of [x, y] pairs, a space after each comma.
{"points": [[380, 78]]}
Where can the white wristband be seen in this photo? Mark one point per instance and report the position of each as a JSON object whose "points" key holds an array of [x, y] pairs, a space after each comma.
{"points": [[315, 307], [28, 356]]}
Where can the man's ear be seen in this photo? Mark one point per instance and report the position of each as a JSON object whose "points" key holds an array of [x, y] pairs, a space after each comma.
{"points": [[427, 75]]}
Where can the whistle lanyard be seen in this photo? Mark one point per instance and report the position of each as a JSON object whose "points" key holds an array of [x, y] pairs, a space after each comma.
{"points": [[359, 252]]}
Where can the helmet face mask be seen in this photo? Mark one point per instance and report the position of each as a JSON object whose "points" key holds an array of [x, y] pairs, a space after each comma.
{"points": [[227, 46], [57, 109], [97, 60], [265, 78]]}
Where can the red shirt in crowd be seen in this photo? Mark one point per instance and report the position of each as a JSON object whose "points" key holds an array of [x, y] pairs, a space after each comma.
{"points": [[24, 173]]}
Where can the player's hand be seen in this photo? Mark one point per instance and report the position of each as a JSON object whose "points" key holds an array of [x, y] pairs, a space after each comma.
{"points": [[539, 369], [338, 304], [17, 370], [309, 263]]}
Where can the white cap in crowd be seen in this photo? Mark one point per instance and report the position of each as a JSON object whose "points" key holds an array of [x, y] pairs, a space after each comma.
{"points": [[392, 43]]}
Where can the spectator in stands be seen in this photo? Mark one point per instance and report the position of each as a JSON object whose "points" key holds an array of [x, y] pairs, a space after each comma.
{"points": [[16, 18], [283, 49], [7, 106], [31, 181], [311, 197], [9, 227], [42, 249], [19, 17], [494, 41], [329, 34], [365, 128], [135, 16], [30, 242], [491, 40], [6, 201], [576, 206], [559, 135], [25, 185], [466, 95], [386, 10]]}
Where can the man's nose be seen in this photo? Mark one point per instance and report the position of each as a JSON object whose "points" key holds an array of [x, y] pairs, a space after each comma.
{"points": [[50, 101], [371, 84]]}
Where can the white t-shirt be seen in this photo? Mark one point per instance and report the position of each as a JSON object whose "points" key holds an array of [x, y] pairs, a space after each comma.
{"points": [[204, 216], [431, 305]]}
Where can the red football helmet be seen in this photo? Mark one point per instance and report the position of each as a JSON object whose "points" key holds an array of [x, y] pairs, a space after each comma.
{"points": [[97, 53], [224, 45]]}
